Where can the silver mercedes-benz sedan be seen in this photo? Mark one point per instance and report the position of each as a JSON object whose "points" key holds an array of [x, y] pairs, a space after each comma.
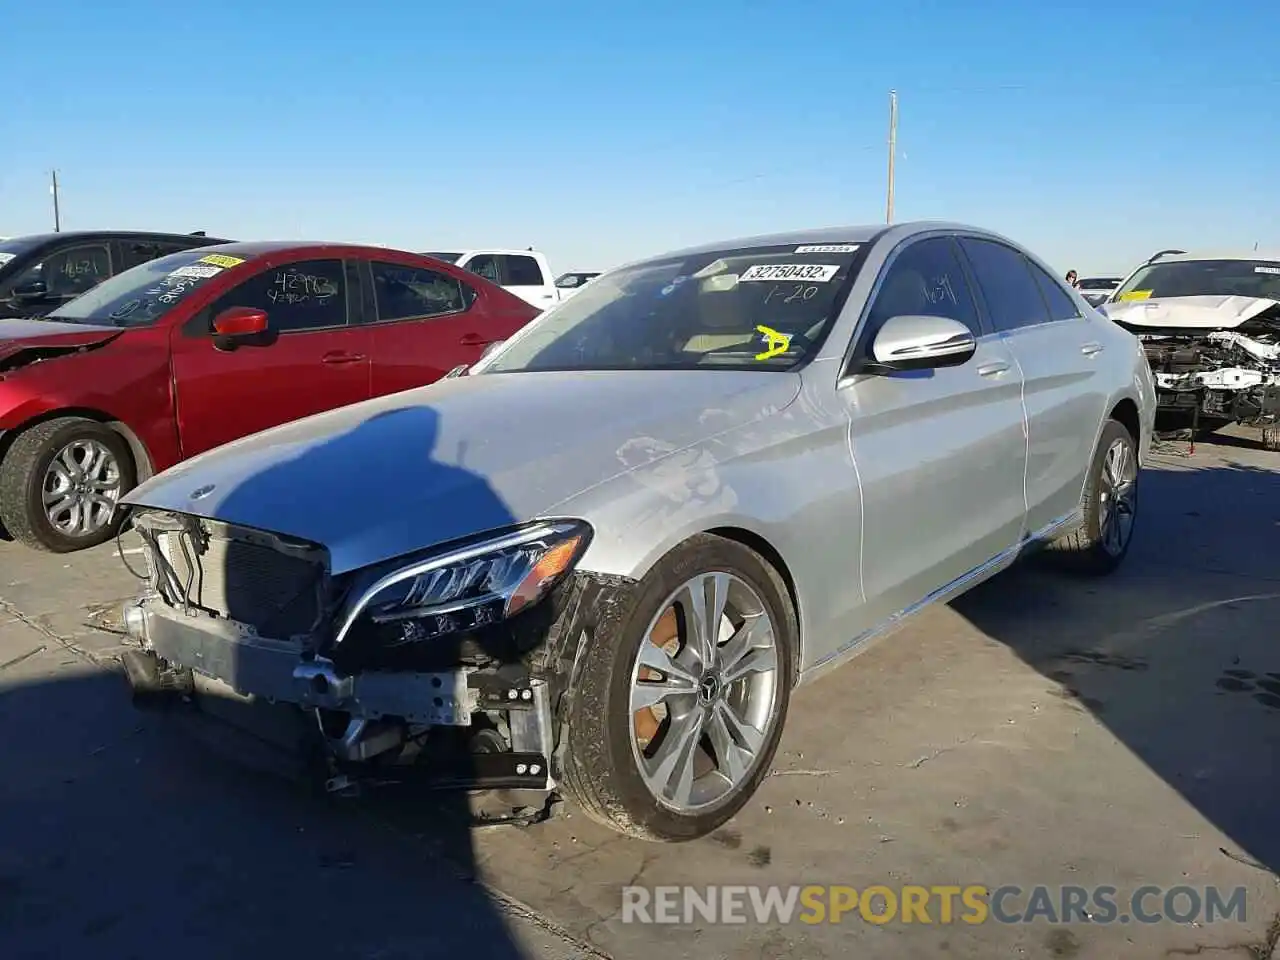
{"points": [[597, 563]]}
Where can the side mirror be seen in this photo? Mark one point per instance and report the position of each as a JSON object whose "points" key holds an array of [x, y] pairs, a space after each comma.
{"points": [[241, 327], [32, 290], [240, 322], [922, 342]]}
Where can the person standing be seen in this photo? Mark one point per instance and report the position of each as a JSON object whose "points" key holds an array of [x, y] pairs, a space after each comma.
{"points": [[1072, 278]]}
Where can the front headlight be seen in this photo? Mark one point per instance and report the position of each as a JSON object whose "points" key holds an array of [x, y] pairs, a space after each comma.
{"points": [[468, 587]]}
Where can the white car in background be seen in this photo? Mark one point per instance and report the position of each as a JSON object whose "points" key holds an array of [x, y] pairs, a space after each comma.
{"points": [[1097, 290], [525, 273], [1210, 327], [570, 283]]}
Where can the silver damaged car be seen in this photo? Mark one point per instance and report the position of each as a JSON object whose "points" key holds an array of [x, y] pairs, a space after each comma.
{"points": [[598, 563]]}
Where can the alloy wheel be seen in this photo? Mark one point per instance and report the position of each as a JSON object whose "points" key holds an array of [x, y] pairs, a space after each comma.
{"points": [[1118, 497], [704, 692], [81, 488]]}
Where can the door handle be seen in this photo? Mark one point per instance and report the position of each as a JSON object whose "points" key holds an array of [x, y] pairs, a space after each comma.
{"points": [[993, 369], [341, 356], [473, 340], [1092, 349]]}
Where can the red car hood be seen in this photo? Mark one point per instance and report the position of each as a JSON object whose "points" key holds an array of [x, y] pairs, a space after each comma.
{"points": [[21, 334]]}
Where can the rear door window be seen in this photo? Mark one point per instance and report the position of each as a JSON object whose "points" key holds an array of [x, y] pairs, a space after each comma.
{"points": [[521, 271], [1061, 306], [1004, 277], [405, 292], [136, 251]]}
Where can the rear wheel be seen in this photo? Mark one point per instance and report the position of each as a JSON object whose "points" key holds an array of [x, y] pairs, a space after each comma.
{"points": [[61, 482], [1110, 507], [677, 718]]}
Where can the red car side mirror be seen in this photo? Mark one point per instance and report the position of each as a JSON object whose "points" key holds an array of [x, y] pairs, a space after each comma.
{"points": [[240, 322]]}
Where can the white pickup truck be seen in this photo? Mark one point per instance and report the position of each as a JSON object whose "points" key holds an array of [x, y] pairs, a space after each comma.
{"points": [[524, 272]]}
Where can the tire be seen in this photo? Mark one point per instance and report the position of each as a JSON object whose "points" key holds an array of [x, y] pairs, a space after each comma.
{"points": [[1086, 551], [26, 468], [602, 768]]}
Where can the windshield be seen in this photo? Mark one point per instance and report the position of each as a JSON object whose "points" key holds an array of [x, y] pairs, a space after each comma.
{"points": [[1201, 278], [1098, 283], [15, 247], [758, 308], [141, 296], [574, 279], [446, 257]]}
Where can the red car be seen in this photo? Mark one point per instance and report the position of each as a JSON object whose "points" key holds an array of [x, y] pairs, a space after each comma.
{"points": [[198, 348]]}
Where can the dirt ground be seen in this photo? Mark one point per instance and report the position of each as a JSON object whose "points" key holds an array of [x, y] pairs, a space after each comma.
{"points": [[1039, 731]]}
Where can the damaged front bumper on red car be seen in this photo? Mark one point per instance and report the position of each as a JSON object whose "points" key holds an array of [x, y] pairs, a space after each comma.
{"points": [[478, 711]]}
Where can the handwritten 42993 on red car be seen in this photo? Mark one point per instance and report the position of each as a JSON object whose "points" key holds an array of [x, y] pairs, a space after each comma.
{"points": [[199, 348]]}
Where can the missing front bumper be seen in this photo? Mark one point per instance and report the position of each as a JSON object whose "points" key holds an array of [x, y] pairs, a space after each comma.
{"points": [[391, 726]]}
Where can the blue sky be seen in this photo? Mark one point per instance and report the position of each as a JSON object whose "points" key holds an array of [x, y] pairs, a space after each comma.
{"points": [[1094, 132]]}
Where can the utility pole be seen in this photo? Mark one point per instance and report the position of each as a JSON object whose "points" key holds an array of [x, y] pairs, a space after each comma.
{"points": [[57, 215], [893, 150]]}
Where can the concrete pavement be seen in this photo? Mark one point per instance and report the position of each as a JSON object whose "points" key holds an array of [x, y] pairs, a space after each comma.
{"points": [[1041, 730]]}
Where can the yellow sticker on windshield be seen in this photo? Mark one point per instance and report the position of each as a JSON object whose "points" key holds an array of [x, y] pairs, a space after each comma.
{"points": [[1136, 295], [221, 260], [779, 343]]}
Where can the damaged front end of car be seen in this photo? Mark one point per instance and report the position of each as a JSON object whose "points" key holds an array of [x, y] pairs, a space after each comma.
{"points": [[449, 668], [1212, 358]]}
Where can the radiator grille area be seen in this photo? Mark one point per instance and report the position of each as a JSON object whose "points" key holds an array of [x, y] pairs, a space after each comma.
{"points": [[251, 583]]}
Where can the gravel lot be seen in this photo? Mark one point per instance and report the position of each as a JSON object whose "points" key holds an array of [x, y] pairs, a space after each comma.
{"points": [[1041, 730]]}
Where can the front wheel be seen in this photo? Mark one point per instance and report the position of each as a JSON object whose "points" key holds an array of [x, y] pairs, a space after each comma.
{"points": [[676, 718], [61, 482], [1110, 506]]}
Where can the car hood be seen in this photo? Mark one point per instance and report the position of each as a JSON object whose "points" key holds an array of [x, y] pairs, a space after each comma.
{"points": [[386, 477], [22, 334], [1187, 313]]}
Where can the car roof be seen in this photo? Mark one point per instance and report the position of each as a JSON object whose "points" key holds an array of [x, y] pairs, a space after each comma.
{"points": [[504, 251], [35, 238], [1221, 255], [859, 233], [260, 248]]}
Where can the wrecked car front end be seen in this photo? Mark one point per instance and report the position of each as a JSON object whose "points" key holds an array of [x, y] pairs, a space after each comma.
{"points": [[446, 668], [1216, 358]]}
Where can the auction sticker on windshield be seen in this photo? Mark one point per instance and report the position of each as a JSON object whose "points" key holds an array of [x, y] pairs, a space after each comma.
{"points": [[222, 260], [1136, 295], [1275, 270], [203, 270], [818, 272]]}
